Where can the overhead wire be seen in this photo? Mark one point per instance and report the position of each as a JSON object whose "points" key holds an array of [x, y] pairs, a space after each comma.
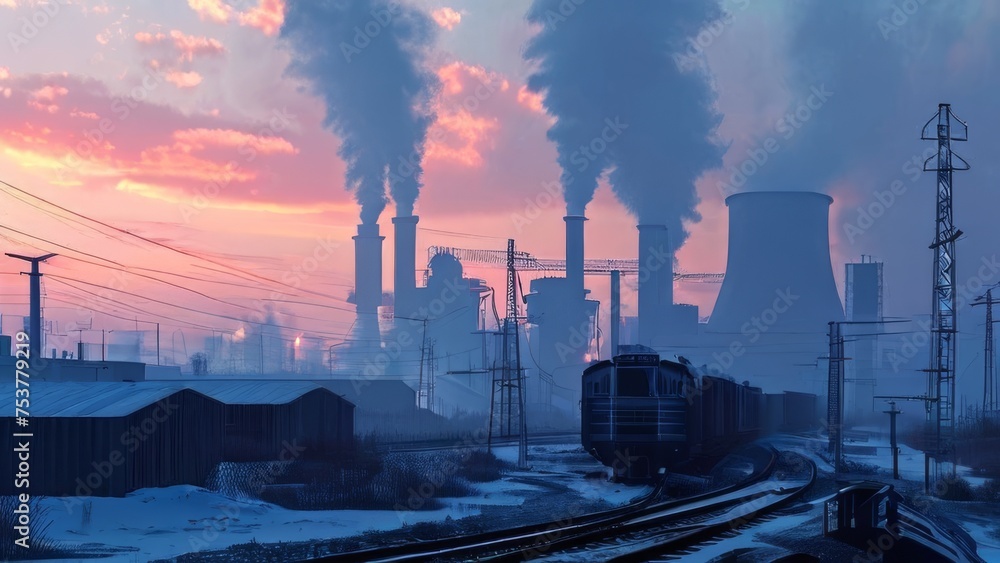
{"points": [[182, 307]]}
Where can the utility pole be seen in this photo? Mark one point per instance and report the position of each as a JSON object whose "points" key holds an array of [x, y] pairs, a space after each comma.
{"points": [[35, 330], [835, 393], [511, 375], [431, 369], [928, 404], [892, 412], [944, 128], [989, 371], [423, 353], [835, 386]]}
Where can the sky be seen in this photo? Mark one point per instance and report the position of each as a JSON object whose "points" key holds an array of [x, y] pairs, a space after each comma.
{"points": [[218, 177]]}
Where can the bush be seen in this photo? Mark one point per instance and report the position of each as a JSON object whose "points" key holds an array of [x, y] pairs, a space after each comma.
{"points": [[957, 489], [988, 491], [851, 466], [411, 480], [482, 466], [41, 546]]}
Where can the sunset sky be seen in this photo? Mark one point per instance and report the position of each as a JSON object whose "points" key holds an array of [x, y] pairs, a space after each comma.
{"points": [[128, 113]]}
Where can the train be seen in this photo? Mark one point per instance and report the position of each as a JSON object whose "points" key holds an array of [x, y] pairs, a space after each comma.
{"points": [[640, 414]]}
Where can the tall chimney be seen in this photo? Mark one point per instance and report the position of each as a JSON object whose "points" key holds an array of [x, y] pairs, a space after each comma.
{"points": [[368, 269], [616, 319], [405, 267], [655, 260], [665, 273], [574, 254], [778, 268]]}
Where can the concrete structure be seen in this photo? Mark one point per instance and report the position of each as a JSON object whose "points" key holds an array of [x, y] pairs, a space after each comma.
{"points": [[778, 243], [575, 255], [405, 256], [770, 319], [863, 302]]}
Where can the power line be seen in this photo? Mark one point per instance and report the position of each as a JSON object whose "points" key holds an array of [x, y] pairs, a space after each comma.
{"points": [[175, 305], [149, 240]]}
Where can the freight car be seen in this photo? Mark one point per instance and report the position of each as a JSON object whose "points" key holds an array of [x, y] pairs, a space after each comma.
{"points": [[640, 413]]}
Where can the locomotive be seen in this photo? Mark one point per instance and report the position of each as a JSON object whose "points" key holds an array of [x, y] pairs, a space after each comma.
{"points": [[640, 413]]}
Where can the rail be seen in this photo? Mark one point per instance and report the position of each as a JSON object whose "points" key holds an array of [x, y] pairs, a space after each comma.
{"points": [[522, 541]]}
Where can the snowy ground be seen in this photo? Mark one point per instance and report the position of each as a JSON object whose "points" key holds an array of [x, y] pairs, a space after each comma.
{"points": [[163, 523], [979, 519]]}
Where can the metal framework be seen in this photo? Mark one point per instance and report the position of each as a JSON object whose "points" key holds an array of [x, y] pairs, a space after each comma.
{"points": [[989, 348], [526, 262], [835, 392], [944, 128], [510, 385]]}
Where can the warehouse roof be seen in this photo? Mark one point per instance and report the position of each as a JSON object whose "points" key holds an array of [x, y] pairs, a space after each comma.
{"points": [[115, 399], [92, 399], [253, 392]]}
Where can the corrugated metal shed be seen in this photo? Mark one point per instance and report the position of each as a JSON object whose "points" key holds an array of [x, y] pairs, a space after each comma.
{"points": [[110, 438], [253, 392], [115, 399], [93, 399]]}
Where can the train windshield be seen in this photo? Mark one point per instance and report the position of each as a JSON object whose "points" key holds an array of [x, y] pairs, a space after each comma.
{"points": [[634, 382]]}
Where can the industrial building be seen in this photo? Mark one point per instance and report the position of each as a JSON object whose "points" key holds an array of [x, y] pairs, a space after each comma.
{"points": [[108, 439]]}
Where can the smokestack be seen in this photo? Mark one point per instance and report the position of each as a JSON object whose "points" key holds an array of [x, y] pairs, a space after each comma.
{"points": [[616, 319], [665, 271], [368, 269], [405, 265], [655, 261], [574, 254], [778, 270]]}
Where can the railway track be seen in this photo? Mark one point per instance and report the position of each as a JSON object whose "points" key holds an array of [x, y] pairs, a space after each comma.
{"points": [[590, 530], [667, 534], [539, 439]]}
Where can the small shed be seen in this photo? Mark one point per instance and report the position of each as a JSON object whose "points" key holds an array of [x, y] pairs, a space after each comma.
{"points": [[272, 420], [111, 438]]}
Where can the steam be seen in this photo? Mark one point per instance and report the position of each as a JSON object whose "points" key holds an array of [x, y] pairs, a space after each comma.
{"points": [[609, 74], [853, 99], [365, 59]]}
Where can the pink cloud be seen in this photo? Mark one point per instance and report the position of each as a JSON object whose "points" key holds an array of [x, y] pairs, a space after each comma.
{"points": [[4, 73], [146, 38], [198, 139], [267, 16], [43, 99], [190, 45], [211, 10], [530, 100], [187, 47], [447, 18], [50, 93], [169, 155], [84, 114], [459, 137], [184, 80]]}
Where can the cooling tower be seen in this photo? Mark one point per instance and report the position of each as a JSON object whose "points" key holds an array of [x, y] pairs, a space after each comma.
{"points": [[778, 273], [574, 254], [368, 269], [405, 267], [656, 278]]}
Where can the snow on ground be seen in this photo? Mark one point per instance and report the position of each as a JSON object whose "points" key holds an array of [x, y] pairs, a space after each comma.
{"points": [[911, 468], [167, 522], [565, 464], [911, 461], [987, 547], [175, 520]]}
